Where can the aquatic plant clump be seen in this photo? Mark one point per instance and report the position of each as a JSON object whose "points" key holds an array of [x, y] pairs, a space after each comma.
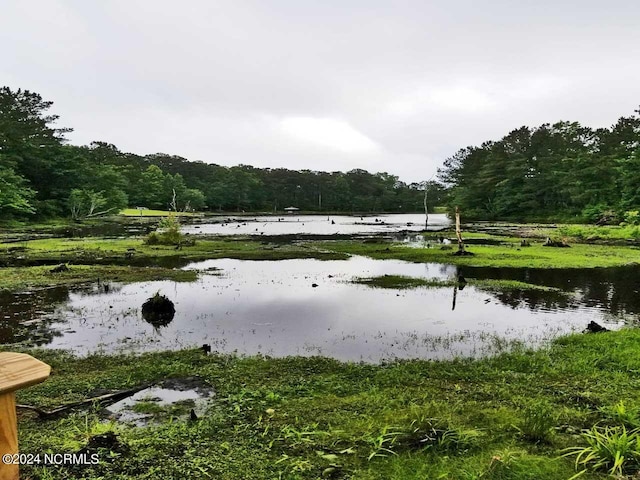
{"points": [[158, 310]]}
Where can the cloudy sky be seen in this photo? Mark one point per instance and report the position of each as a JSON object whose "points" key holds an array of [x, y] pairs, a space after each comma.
{"points": [[395, 85]]}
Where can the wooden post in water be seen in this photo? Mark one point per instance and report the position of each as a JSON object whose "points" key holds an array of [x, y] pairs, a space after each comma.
{"points": [[426, 210], [17, 371], [459, 231]]}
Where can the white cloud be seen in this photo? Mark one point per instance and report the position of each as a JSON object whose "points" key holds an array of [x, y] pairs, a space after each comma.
{"points": [[458, 99], [461, 98], [328, 132], [396, 86]]}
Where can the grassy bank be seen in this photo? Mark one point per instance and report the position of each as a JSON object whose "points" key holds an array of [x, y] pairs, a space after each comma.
{"points": [[134, 212], [19, 278], [581, 233], [132, 249], [507, 254], [508, 417], [402, 283], [116, 258], [593, 233], [29, 263]]}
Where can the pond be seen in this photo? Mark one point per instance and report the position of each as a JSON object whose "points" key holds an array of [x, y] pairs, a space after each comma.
{"points": [[311, 307], [318, 224]]}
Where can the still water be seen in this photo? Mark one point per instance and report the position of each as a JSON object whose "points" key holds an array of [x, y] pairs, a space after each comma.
{"points": [[319, 224], [273, 308]]}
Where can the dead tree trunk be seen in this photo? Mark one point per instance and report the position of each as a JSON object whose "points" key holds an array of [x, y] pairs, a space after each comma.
{"points": [[102, 401], [426, 211], [459, 231], [174, 204]]}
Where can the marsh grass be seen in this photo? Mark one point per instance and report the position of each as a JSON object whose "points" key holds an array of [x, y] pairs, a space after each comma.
{"points": [[297, 418], [134, 212], [309, 418], [401, 282], [128, 251], [539, 418], [621, 414], [592, 233], [504, 255], [18, 278], [614, 450]]}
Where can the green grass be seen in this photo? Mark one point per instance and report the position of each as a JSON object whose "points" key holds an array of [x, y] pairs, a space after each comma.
{"points": [[19, 278], [507, 417], [511, 416], [122, 253], [592, 233], [133, 212], [101, 250], [122, 259], [614, 450], [509, 255], [402, 282]]}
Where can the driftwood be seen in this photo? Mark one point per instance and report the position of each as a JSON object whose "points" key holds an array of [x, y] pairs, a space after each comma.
{"points": [[594, 327], [101, 400], [60, 268], [555, 243]]}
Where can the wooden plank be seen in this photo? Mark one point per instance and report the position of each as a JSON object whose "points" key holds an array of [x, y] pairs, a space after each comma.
{"points": [[8, 435], [19, 370]]}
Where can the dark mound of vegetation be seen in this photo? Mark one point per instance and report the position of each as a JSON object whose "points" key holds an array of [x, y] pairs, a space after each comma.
{"points": [[158, 310]]}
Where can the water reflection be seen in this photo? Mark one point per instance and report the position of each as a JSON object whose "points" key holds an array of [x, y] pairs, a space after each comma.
{"points": [[614, 290], [273, 308], [24, 316]]}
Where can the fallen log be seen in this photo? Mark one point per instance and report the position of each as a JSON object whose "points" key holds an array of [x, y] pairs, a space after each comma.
{"points": [[101, 400]]}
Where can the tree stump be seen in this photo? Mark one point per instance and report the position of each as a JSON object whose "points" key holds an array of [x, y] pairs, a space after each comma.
{"points": [[158, 310]]}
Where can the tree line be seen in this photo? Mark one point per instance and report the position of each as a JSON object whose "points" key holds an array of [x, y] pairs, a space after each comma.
{"points": [[42, 176], [564, 171]]}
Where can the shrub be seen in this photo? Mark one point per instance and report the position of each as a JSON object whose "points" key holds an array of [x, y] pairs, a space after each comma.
{"points": [[152, 239], [167, 233], [632, 217], [600, 214]]}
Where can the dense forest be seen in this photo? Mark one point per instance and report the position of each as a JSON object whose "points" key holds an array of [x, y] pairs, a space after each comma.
{"points": [[42, 176], [563, 171]]}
